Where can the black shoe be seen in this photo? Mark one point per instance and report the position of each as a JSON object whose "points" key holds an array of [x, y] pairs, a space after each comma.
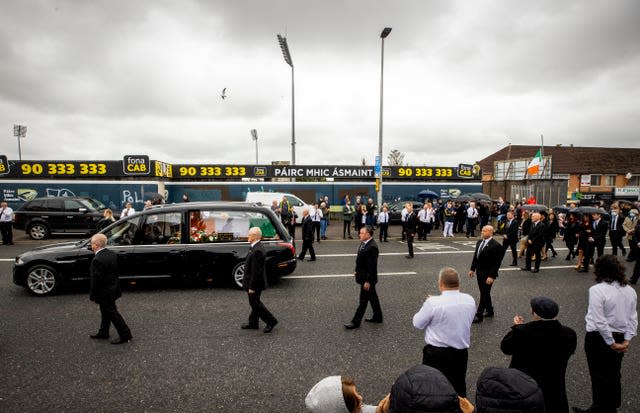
{"points": [[99, 336], [568, 258], [514, 264], [122, 340], [535, 270], [350, 237], [249, 327], [373, 320], [555, 254], [408, 256], [268, 328], [525, 269], [477, 319], [579, 410], [300, 258], [351, 326], [488, 314], [583, 270], [311, 259]]}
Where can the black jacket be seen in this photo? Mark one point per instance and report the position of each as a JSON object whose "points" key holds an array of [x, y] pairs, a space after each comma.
{"points": [[423, 389], [502, 390], [512, 230], [600, 232], [367, 263], [307, 229], [254, 271], [542, 349], [536, 234], [411, 224], [105, 284], [488, 262]]}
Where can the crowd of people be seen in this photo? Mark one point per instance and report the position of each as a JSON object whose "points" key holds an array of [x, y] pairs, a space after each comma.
{"points": [[540, 348]]}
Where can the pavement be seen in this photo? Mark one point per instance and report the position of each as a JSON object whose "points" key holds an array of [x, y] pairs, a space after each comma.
{"points": [[188, 353]]}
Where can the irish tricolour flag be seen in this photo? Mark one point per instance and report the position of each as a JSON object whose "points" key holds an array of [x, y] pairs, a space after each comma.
{"points": [[534, 165]]}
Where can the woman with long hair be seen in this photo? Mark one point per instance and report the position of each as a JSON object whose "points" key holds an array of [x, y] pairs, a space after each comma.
{"points": [[584, 232], [571, 235]]}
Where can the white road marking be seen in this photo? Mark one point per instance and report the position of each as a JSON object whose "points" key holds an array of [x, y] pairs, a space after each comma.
{"points": [[291, 277], [7, 259]]}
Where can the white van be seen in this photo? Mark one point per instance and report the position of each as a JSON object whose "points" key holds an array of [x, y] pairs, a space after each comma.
{"points": [[267, 198]]}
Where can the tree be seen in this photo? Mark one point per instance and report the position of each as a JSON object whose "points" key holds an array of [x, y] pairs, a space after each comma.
{"points": [[395, 158]]}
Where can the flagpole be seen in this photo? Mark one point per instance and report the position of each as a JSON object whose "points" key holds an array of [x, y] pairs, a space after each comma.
{"points": [[542, 154]]}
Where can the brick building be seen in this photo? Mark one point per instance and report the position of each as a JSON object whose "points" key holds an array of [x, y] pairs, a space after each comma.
{"points": [[589, 172]]}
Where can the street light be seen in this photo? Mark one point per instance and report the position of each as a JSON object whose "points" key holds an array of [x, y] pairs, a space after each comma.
{"points": [[19, 131], [254, 136], [383, 35], [287, 58]]}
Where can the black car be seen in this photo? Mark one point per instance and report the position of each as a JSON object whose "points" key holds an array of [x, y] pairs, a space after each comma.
{"points": [[395, 210], [42, 217], [191, 241]]}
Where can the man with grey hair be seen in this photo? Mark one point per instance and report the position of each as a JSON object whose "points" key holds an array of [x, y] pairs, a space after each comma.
{"points": [[485, 265], [254, 282], [105, 290], [446, 319]]}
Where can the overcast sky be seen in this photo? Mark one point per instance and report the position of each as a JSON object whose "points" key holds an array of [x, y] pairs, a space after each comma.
{"points": [[101, 79]]}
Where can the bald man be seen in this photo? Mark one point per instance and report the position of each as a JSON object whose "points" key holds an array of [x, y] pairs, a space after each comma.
{"points": [[105, 290], [485, 265]]}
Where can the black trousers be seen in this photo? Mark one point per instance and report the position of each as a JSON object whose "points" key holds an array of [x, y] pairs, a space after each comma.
{"points": [[485, 303], [346, 229], [384, 231], [409, 236], [307, 244], [533, 249], [7, 232], [471, 226], [451, 362], [604, 369], [616, 242], [259, 311], [316, 229], [636, 270], [513, 244], [109, 314], [589, 252], [366, 297]]}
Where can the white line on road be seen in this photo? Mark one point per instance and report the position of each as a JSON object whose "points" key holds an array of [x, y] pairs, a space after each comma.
{"points": [[555, 267], [399, 253], [7, 259], [291, 277]]}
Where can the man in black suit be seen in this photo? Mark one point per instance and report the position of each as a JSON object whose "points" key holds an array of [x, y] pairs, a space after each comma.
{"points": [[254, 282], [535, 243], [307, 236], [105, 290], [486, 263], [541, 349], [616, 231], [367, 276], [511, 238], [596, 241], [410, 227]]}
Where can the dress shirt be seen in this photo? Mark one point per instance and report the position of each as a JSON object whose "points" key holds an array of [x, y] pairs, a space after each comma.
{"points": [[472, 213], [483, 244], [383, 217], [127, 212], [447, 319], [403, 214], [6, 214], [317, 215], [612, 309], [614, 221]]}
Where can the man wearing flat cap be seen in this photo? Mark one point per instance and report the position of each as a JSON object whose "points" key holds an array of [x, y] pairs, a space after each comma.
{"points": [[541, 348]]}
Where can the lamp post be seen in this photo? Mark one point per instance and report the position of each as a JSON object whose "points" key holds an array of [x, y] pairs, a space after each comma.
{"points": [[383, 35], [254, 136], [19, 131], [287, 58]]}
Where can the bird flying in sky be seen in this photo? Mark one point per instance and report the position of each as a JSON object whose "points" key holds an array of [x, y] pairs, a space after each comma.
{"points": [[224, 93]]}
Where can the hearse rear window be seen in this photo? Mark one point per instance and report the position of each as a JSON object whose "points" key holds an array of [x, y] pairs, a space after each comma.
{"points": [[227, 226]]}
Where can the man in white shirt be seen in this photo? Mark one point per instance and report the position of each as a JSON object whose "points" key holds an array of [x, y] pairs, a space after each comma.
{"points": [[383, 222], [316, 216], [128, 210], [447, 320], [6, 223], [612, 321], [472, 219]]}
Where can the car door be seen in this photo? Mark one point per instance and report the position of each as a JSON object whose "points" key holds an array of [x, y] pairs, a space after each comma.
{"points": [[53, 214], [158, 252], [77, 218]]}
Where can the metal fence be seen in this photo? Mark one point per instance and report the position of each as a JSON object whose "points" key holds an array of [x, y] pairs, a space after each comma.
{"points": [[548, 192]]}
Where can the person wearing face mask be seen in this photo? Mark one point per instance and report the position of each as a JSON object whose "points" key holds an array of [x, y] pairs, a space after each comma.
{"points": [[616, 231], [629, 226]]}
